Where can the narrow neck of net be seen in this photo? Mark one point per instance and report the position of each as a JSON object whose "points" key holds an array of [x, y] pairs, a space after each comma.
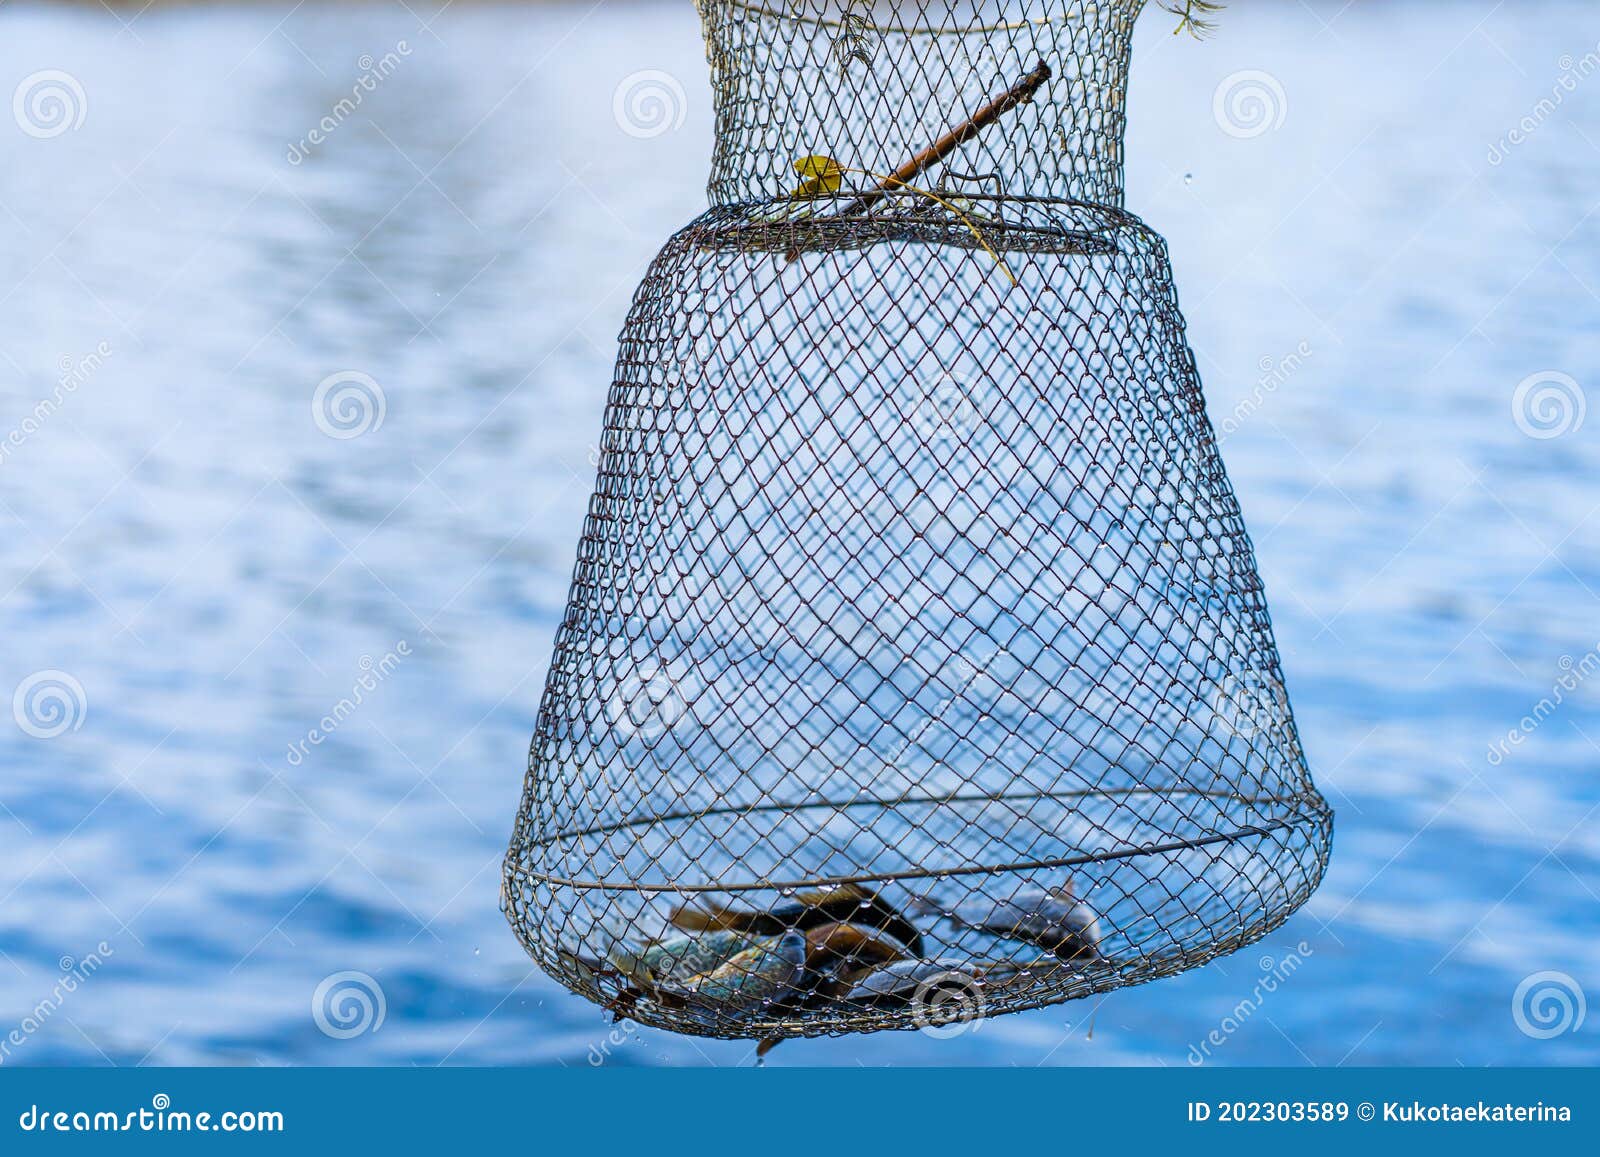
{"points": [[872, 84]]}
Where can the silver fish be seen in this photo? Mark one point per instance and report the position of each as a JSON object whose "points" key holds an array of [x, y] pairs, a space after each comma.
{"points": [[1053, 919], [807, 909], [902, 982], [760, 974], [685, 956]]}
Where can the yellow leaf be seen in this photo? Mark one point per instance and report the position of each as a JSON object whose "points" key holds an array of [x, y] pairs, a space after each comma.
{"points": [[822, 175], [818, 166]]}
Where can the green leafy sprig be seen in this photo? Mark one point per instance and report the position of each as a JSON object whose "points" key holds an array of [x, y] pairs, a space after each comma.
{"points": [[1193, 16]]}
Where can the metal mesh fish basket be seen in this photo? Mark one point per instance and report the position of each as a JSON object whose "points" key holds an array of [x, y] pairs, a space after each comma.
{"points": [[916, 666]]}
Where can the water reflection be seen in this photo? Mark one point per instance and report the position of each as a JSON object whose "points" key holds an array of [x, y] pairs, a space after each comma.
{"points": [[184, 539]]}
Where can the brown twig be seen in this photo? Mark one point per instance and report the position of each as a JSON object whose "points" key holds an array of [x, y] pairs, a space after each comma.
{"points": [[1019, 93]]}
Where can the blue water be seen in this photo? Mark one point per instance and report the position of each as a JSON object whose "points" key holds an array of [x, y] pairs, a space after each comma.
{"points": [[185, 544]]}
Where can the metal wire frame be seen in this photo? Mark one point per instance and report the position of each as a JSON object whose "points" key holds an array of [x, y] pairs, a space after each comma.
{"points": [[870, 81], [916, 664], [911, 567]]}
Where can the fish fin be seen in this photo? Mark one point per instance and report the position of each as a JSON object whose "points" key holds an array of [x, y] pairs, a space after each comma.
{"points": [[831, 893], [886, 918], [631, 966], [767, 1045], [711, 917]]}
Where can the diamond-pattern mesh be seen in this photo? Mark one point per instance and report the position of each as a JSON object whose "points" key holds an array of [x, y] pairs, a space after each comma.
{"points": [[916, 665], [876, 82]]}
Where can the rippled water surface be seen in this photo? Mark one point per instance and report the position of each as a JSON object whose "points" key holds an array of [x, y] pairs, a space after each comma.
{"points": [[215, 572]]}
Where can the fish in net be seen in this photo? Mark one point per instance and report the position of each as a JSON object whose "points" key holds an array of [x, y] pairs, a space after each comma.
{"points": [[916, 665]]}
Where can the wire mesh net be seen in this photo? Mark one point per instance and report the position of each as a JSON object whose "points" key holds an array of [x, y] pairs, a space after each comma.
{"points": [[877, 82], [916, 666]]}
